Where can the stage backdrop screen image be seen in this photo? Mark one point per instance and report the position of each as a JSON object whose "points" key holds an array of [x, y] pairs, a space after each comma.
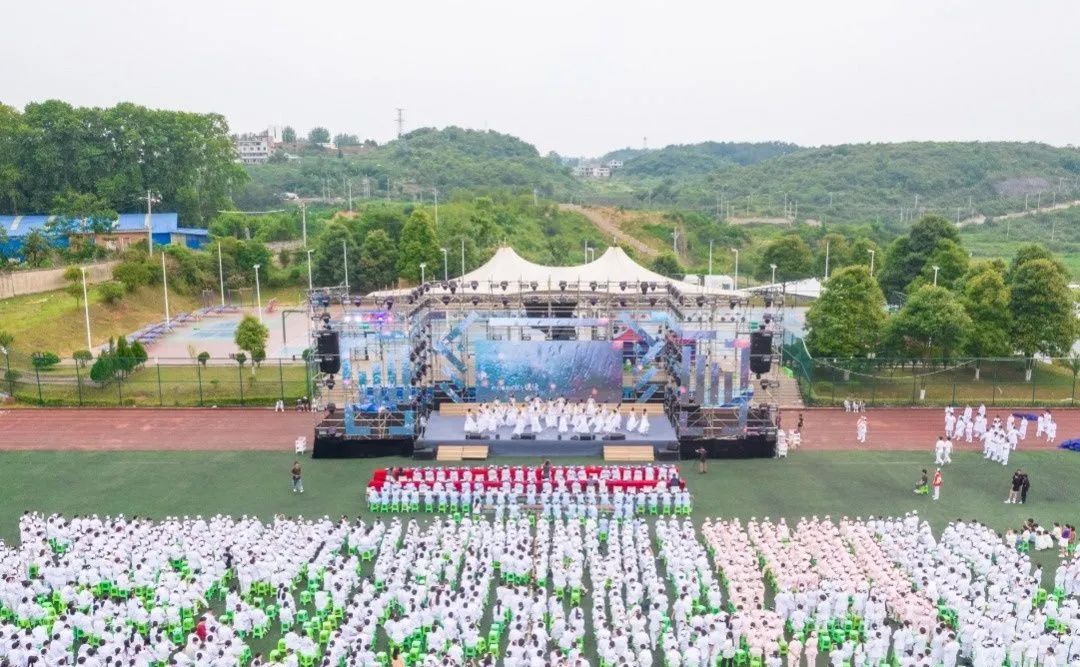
{"points": [[575, 370]]}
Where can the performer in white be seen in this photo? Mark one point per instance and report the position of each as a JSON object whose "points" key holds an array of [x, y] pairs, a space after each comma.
{"points": [[534, 419], [631, 422], [519, 422], [861, 428], [615, 421], [643, 425], [564, 422], [470, 423]]}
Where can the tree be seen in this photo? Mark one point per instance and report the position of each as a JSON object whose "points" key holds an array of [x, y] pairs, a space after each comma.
{"points": [[288, 135], [378, 261], [43, 361], [251, 336], [666, 264], [328, 260], [418, 246], [341, 140], [907, 256], [848, 319], [111, 292], [36, 248], [82, 357], [932, 319], [790, 254], [73, 277], [138, 353], [985, 298], [951, 261], [94, 214], [319, 135], [1030, 251], [204, 356], [1041, 310], [240, 358]]}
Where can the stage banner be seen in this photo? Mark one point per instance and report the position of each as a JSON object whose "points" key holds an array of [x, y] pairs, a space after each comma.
{"points": [[576, 370]]}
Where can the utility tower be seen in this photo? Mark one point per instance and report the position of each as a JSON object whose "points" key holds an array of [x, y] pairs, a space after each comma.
{"points": [[400, 122]]}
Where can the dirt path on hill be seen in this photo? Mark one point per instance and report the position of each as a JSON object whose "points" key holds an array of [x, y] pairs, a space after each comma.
{"points": [[609, 227]]}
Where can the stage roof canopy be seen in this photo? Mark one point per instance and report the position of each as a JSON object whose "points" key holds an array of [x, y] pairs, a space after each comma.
{"points": [[612, 267]]}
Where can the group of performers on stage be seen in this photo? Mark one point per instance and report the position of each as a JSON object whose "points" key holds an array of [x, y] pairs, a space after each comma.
{"points": [[537, 416]]}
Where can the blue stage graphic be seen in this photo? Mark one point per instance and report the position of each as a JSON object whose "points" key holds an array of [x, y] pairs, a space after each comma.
{"points": [[576, 370]]}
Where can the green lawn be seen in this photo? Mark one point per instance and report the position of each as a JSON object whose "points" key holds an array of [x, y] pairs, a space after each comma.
{"points": [[833, 483]]}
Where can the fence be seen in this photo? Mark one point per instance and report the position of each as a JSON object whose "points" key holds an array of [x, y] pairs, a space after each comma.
{"points": [[993, 382], [159, 383], [17, 283]]}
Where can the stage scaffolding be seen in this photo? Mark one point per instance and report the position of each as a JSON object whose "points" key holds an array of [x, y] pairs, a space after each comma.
{"points": [[689, 349]]}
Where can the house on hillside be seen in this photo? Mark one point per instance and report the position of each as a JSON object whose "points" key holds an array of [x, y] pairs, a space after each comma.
{"points": [[254, 148], [592, 171], [127, 229]]}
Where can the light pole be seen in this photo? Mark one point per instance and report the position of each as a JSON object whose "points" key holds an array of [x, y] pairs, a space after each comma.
{"points": [[445, 265], [736, 251], [710, 256], [871, 262], [345, 259], [258, 293], [221, 275], [86, 309], [773, 267], [309, 284], [436, 207], [165, 286], [303, 221], [150, 200], [675, 241], [827, 260], [586, 251], [423, 275], [462, 256], [936, 269]]}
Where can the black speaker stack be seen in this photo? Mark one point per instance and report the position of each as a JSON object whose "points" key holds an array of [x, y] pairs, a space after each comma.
{"points": [[760, 351], [328, 350]]}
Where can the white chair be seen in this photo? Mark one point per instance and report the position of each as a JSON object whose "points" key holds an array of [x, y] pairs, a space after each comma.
{"points": [[301, 445]]}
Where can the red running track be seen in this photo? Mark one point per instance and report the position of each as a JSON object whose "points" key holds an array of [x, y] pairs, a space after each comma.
{"points": [[893, 429], [146, 429], [154, 430]]}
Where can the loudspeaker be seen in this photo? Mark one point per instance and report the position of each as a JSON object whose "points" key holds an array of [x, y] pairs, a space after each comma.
{"points": [[586, 436], [328, 350], [760, 351], [615, 436], [474, 436], [528, 436]]}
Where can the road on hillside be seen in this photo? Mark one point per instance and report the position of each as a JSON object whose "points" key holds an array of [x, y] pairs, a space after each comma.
{"points": [[610, 228]]}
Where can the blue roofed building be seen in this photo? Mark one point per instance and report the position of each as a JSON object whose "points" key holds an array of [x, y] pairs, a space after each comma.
{"points": [[127, 229]]}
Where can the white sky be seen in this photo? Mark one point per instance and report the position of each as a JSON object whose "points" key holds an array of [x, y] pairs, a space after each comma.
{"points": [[577, 77]]}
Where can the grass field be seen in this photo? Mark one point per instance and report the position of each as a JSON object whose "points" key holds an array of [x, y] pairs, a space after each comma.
{"points": [[834, 483], [1057, 230], [54, 321]]}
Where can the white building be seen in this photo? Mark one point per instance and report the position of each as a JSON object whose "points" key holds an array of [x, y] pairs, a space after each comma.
{"points": [[614, 164], [592, 171], [254, 148]]}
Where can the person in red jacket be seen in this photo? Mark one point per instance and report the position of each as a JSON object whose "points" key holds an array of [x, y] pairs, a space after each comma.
{"points": [[937, 484], [200, 629]]}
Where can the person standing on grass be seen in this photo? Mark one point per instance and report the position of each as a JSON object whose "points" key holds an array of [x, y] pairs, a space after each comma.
{"points": [[937, 484], [1025, 485], [702, 461], [1014, 487], [297, 481]]}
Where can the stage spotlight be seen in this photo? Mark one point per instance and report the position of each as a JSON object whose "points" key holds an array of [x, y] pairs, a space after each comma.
{"points": [[533, 285], [622, 285], [503, 285], [445, 299], [412, 299], [733, 303], [644, 287], [476, 301], [592, 285], [453, 287], [768, 303], [330, 382], [562, 285], [652, 300], [700, 301], [592, 301], [622, 302], [389, 303], [767, 318], [326, 318], [506, 302], [474, 284]]}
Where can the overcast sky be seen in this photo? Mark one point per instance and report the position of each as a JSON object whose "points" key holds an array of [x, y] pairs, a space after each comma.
{"points": [[577, 77]]}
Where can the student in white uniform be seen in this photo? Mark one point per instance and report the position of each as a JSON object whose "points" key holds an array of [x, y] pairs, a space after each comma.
{"points": [[643, 425]]}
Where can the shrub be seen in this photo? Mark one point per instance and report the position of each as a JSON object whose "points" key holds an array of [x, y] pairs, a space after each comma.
{"points": [[44, 360], [112, 292], [133, 274], [82, 357]]}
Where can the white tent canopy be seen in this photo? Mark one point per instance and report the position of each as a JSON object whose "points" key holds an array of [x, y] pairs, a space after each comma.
{"points": [[612, 267]]}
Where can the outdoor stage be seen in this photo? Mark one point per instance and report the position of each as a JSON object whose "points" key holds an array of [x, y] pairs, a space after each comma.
{"points": [[450, 430]]}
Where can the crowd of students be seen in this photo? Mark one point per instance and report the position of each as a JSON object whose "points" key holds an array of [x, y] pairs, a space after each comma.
{"points": [[557, 417]]}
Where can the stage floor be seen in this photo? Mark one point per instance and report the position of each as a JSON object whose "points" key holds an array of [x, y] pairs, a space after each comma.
{"points": [[449, 430]]}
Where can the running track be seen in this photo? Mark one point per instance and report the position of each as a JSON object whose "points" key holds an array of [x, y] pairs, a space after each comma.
{"points": [[145, 429]]}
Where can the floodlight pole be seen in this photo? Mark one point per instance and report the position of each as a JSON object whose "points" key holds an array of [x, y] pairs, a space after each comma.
{"points": [[86, 308], [736, 251], [221, 274], [165, 286], [345, 256], [309, 285], [445, 265], [258, 293]]}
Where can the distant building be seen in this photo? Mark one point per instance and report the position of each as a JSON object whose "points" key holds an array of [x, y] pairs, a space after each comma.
{"points": [[129, 228], [254, 148], [592, 171], [614, 164]]}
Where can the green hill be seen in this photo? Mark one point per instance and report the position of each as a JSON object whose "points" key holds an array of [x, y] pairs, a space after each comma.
{"points": [[448, 159], [867, 182], [689, 160]]}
